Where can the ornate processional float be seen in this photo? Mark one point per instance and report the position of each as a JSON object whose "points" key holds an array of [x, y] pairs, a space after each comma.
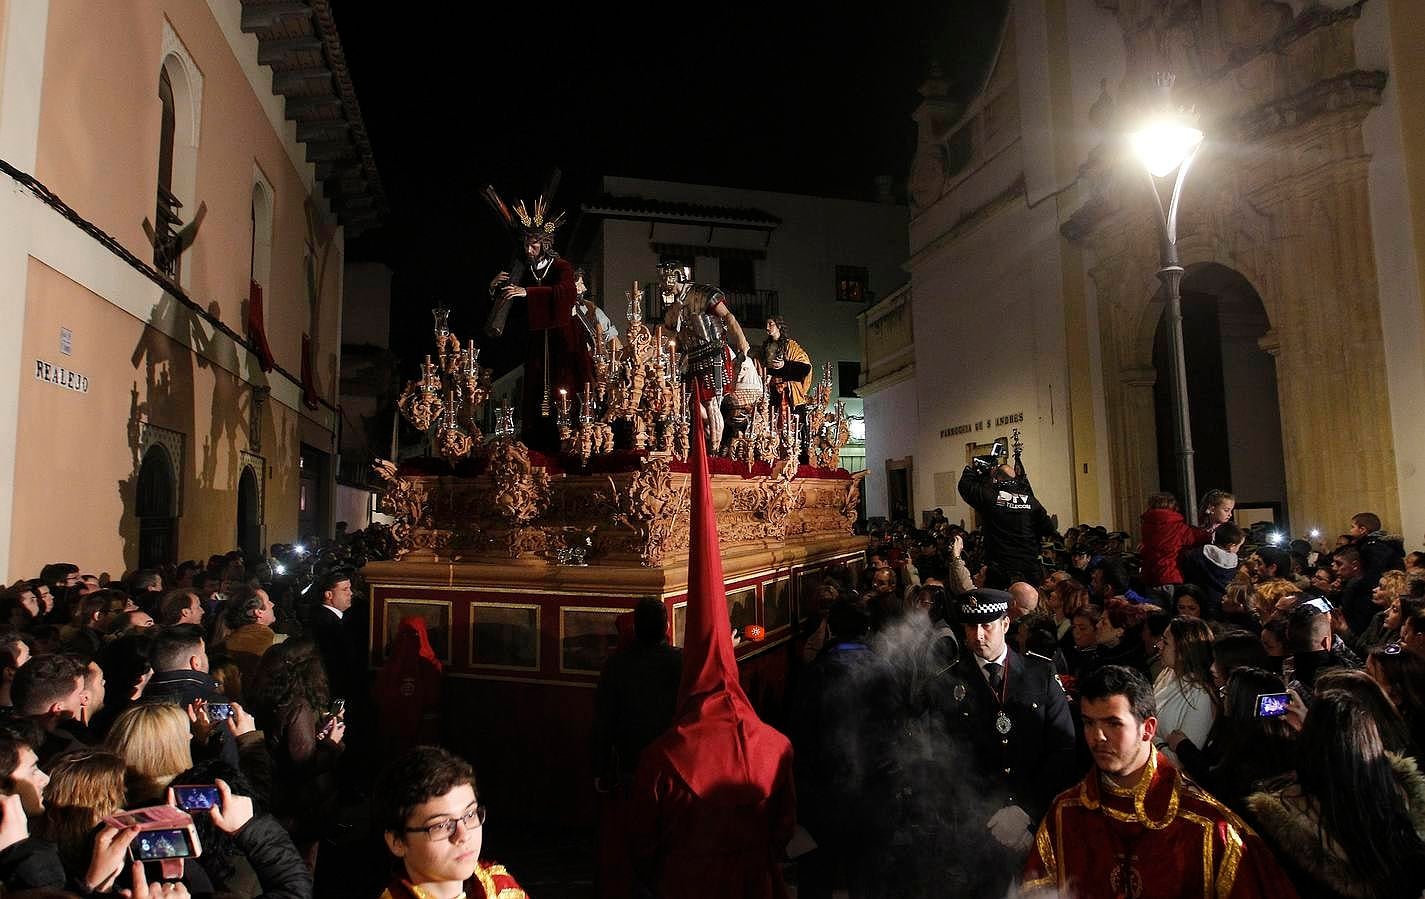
{"points": [[526, 562]]}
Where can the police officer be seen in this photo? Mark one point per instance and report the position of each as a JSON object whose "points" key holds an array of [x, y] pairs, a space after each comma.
{"points": [[1012, 518], [1010, 712]]}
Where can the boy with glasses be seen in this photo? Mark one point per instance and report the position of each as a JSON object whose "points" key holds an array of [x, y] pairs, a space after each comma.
{"points": [[433, 823]]}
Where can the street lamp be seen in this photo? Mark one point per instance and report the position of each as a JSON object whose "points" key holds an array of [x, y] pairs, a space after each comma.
{"points": [[1166, 145]]}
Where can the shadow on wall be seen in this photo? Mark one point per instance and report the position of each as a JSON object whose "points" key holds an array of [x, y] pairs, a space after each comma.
{"points": [[165, 399], [230, 413]]}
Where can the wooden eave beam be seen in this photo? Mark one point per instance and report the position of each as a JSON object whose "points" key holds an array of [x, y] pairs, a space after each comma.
{"points": [[296, 80], [300, 108], [320, 129], [275, 50], [319, 150], [332, 168], [262, 16]]}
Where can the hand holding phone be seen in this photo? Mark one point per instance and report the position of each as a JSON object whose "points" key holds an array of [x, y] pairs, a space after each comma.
{"points": [[14, 826], [232, 812], [240, 722], [334, 722], [106, 862], [199, 721], [164, 834], [1296, 710]]}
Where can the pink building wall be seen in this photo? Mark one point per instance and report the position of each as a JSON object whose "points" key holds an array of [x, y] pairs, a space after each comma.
{"points": [[76, 458]]}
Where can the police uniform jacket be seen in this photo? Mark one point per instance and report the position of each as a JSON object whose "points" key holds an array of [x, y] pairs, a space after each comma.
{"points": [[1034, 761]]}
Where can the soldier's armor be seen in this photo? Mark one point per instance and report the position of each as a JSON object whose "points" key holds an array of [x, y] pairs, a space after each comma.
{"points": [[702, 339]]}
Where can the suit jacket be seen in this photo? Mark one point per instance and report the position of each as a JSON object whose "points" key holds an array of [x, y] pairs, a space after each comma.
{"points": [[342, 655], [1034, 761]]}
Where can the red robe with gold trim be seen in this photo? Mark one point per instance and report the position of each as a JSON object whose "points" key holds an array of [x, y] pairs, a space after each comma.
{"points": [[491, 881], [1166, 838]]}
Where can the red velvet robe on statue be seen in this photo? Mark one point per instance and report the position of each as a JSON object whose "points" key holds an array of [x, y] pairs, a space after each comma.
{"points": [[550, 301], [713, 805], [1166, 839]]}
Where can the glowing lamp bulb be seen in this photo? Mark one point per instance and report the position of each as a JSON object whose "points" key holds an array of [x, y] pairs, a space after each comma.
{"points": [[279, 568], [1163, 145], [299, 549], [1315, 534], [1277, 538]]}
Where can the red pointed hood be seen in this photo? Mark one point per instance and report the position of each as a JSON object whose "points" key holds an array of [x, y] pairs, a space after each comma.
{"points": [[717, 742]]}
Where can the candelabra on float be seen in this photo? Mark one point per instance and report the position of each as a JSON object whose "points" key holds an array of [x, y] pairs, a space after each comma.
{"points": [[449, 392]]}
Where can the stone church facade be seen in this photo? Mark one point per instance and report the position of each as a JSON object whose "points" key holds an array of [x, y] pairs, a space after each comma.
{"points": [[1034, 258]]}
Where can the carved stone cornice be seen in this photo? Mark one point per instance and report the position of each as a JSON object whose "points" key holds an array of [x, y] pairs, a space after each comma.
{"points": [[1355, 92]]}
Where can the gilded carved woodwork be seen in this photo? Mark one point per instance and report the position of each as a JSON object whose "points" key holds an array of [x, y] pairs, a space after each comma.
{"points": [[406, 501], [653, 507], [633, 518], [521, 490]]}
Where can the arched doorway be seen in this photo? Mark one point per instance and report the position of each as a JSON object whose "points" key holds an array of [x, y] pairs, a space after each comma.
{"points": [[249, 515], [1232, 392], [156, 509]]}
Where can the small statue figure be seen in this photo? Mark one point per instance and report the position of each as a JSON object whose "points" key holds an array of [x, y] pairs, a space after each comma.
{"points": [[709, 337]]}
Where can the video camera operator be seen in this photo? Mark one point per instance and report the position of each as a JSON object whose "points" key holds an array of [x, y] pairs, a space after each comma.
{"points": [[1010, 516]]}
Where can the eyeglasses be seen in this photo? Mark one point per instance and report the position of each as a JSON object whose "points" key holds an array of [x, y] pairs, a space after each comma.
{"points": [[444, 830]]}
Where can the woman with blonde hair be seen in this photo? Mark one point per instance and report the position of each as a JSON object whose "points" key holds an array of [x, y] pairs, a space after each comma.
{"points": [[84, 788], [1387, 593], [153, 740], [1267, 598]]}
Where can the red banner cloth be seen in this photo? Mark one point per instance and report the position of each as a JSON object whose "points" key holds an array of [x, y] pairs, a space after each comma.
{"points": [[257, 328]]}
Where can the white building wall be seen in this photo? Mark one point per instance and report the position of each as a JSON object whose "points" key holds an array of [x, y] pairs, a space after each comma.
{"points": [[989, 333], [1397, 277], [897, 413]]}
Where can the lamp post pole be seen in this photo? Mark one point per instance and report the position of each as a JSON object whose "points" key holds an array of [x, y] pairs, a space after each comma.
{"points": [[1171, 274], [1167, 144]]}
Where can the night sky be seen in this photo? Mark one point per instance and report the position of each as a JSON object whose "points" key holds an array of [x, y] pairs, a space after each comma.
{"points": [[786, 97]]}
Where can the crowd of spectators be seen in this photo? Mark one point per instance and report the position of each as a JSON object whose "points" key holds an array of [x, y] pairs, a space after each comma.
{"points": [[1288, 674], [240, 676], [1287, 682]]}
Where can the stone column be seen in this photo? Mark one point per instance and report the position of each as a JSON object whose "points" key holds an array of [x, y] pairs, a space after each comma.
{"points": [[1336, 433]]}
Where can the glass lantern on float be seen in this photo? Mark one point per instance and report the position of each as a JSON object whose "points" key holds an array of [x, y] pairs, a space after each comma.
{"points": [[451, 439]]}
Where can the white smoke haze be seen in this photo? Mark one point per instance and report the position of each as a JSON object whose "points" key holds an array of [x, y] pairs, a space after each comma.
{"points": [[927, 801]]}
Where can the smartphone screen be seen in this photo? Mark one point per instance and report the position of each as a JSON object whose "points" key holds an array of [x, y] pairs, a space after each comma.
{"points": [[219, 711], [196, 799], [152, 845], [1272, 705]]}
